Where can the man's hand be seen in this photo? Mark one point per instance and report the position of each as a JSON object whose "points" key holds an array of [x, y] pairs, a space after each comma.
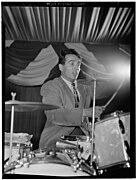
{"points": [[98, 111]]}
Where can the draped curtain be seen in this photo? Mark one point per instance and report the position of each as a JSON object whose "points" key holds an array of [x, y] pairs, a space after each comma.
{"points": [[32, 63]]}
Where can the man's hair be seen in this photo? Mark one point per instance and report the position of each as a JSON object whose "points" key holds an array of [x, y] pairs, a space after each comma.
{"points": [[64, 52]]}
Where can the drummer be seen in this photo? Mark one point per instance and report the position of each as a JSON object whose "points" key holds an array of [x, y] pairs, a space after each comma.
{"points": [[72, 98]]}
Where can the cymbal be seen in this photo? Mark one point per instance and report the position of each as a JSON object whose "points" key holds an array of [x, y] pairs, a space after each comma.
{"points": [[90, 82], [22, 106]]}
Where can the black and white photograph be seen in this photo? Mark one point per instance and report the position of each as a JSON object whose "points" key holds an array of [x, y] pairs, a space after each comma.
{"points": [[68, 89]]}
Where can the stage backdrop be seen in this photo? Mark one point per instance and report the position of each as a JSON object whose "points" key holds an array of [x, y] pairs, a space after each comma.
{"points": [[29, 64]]}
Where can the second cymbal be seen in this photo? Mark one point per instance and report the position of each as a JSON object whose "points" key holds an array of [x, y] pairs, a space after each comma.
{"points": [[22, 106]]}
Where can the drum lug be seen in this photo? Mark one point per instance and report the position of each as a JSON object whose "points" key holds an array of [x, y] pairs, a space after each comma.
{"points": [[100, 171], [127, 165]]}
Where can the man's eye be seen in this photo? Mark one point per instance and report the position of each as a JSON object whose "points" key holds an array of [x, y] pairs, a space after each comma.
{"points": [[72, 64]]}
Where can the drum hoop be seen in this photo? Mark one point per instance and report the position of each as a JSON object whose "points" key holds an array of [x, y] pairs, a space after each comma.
{"points": [[18, 145], [99, 167], [112, 117], [84, 172], [74, 138]]}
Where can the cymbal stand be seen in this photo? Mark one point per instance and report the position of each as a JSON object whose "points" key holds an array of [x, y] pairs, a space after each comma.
{"points": [[11, 128], [93, 122]]}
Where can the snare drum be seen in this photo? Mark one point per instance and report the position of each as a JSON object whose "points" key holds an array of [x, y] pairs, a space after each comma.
{"points": [[50, 166], [110, 136]]}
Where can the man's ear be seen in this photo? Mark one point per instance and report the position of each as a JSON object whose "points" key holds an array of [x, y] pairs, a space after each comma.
{"points": [[60, 67]]}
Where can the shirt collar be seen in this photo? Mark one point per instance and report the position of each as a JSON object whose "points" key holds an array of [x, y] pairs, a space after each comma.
{"points": [[68, 82]]}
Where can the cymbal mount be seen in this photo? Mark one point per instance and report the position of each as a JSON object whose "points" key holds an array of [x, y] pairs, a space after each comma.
{"points": [[11, 128]]}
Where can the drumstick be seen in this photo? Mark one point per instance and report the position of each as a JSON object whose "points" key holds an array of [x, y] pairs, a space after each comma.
{"points": [[115, 93]]}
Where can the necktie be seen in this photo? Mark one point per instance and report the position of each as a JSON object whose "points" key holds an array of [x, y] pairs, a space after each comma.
{"points": [[76, 97]]}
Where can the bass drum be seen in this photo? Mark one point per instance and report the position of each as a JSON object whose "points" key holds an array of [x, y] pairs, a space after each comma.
{"points": [[50, 166], [112, 140]]}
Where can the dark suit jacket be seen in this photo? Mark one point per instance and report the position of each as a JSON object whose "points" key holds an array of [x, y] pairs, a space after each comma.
{"points": [[62, 121]]}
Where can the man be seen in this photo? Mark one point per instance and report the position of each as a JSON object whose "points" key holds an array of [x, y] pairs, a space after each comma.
{"points": [[73, 100]]}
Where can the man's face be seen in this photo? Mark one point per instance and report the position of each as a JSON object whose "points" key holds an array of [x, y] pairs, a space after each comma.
{"points": [[70, 70]]}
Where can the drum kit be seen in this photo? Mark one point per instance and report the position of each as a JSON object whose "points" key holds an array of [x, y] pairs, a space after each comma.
{"points": [[107, 147]]}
